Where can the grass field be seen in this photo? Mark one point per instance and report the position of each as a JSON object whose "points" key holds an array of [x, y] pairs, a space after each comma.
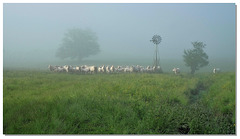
{"points": [[39, 102]]}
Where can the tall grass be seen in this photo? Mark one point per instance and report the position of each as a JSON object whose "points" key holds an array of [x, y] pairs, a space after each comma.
{"points": [[221, 96], [37, 102]]}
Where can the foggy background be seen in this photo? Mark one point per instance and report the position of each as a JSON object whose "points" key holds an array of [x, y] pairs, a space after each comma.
{"points": [[32, 33]]}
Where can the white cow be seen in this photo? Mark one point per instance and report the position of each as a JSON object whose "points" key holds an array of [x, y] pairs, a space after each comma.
{"points": [[135, 68], [216, 70], [119, 69], [88, 69], [149, 69], [71, 68], [85, 70], [127, 69], [112, 69], [66, 68], [78, 69], [51, 68], [102, 69], [59, 69], [143, 70], [108, 69], [156, 69], [176, 70], [56, 68], [92, 69]]}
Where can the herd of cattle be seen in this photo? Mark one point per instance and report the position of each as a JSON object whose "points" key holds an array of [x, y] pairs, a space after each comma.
{"points": [[85, 69]]}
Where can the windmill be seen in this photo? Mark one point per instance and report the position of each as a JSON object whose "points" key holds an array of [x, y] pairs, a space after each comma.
{"points": [[156, 39]]}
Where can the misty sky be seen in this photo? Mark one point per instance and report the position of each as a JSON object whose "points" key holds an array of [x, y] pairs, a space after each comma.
{"points": [[34, 31]]}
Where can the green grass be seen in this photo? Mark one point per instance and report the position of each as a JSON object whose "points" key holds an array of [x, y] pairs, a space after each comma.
{"points": [[38, 102]]}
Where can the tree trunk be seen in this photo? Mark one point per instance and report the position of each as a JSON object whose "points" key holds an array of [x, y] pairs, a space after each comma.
{"points": [[193, 70]]}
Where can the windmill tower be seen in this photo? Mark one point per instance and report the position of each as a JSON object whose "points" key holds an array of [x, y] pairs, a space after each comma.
{"points": [[156, 39]]}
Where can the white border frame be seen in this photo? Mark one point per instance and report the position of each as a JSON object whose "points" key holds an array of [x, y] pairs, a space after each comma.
{"points": [[237, 2]]}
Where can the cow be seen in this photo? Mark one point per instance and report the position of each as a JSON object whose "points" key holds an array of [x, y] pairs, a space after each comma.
{"points": [[112, 69], [92, 69], [56, 68], [108, 69], [119, 69], [51, 68], [149, 69], [176, 70], [102, 69], [128, 69], [216, 70]]}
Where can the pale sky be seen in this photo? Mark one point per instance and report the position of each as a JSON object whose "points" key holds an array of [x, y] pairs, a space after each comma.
{"points": [[33, 32]]}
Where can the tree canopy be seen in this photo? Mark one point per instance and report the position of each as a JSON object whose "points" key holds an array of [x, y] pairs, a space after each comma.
{"points": [[196, 58], [78, 44]]}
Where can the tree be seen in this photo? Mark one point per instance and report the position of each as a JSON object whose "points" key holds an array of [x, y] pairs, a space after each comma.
{"points": [[78, 44], [196, 58]]}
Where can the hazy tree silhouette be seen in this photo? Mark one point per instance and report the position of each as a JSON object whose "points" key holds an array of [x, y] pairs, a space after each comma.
{"points": [[196, 58], [78, 44]]}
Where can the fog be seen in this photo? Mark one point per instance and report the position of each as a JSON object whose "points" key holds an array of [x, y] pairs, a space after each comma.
{"points": [[32, 33]]}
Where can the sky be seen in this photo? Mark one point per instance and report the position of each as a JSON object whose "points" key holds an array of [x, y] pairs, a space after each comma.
{"points": [[33, 32]]}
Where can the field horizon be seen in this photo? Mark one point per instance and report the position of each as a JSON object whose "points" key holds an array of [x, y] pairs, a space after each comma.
{"points": [[226, 65]]}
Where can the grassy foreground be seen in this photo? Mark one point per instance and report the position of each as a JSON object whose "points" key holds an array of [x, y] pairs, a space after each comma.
{"points": [[38, 102]]}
